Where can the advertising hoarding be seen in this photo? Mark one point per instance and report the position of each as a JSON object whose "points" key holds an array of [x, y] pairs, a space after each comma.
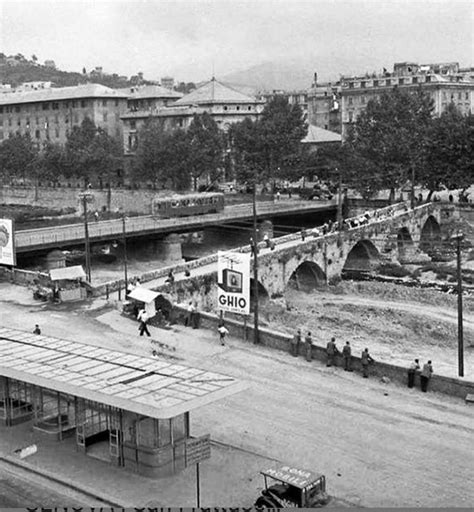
{"points": [[7, 243], [233, 282]]}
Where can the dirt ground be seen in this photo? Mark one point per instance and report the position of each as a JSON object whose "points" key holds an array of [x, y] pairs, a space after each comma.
{"points": [[396, 323]]}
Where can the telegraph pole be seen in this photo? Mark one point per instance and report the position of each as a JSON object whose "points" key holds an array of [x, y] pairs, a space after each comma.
{"points": [[255, 267], [412, 194], [124, 241], [339, 201], [459, 237], [85, 197]]}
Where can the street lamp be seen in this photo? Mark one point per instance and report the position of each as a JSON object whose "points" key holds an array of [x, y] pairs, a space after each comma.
{"points": [[255, 267], [459, 237]]}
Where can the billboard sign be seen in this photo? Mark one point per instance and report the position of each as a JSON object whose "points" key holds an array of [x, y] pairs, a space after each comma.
{"points": [[7, 243], [233, 282], [198, 449]]}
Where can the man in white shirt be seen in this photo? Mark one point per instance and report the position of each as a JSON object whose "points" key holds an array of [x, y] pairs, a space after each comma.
{"points": [[143, 319]]}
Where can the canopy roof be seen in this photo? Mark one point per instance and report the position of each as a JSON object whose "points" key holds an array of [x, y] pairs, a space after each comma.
{"points": [[143, 294], [296, 477], [144, 385], [74, 272], [214, 92]]}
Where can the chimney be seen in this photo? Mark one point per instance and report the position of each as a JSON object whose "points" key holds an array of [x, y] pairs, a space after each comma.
{"points": [[315, 79]]}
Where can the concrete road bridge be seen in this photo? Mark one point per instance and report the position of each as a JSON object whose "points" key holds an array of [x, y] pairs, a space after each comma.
{"points": [[392, 234], [57, 237]]}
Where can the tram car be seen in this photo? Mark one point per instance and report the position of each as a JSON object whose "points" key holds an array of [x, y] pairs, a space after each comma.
{"points": [[189, 204]]}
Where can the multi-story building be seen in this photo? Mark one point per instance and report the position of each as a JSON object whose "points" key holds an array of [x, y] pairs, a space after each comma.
{"points": [[225, 105], [167, 82], [445, 84], [149, 98], [294, 98], [49, 114], [324, 105]]}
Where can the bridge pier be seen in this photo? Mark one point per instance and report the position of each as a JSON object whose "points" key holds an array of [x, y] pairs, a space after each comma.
{"points": [[55, 259], [169, 249]]}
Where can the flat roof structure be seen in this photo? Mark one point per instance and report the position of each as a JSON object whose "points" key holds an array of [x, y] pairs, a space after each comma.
{"points": [[148, 386]]}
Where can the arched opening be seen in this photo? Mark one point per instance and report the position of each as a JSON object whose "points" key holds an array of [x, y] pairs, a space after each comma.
{"points": [[361, 260], [308, 276], [430, 239], [404, 244], [262, 293]]}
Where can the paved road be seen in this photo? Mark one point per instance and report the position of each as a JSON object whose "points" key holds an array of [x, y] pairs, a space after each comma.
{"points": [[18, 489]]}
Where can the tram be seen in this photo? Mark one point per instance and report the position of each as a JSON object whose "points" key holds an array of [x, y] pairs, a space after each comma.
{"points": [[189, 204]]}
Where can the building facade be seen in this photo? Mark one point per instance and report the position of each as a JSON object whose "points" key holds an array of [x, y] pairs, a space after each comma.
{"points": [[324, 106], [49, 114], [444, 83], [223, 103]]}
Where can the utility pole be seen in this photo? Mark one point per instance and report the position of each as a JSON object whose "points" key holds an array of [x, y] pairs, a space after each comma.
{"points": [[255, 267], [85, 197], [339, 201], [412, 198], [459, 237], [124, 241]]}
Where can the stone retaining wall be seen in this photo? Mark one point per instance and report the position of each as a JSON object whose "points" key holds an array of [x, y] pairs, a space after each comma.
{"points": [[281, 341]]}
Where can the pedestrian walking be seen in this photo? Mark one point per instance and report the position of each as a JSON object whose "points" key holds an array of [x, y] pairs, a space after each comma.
{"points": [[37, 329], [366, 359], [309, 347], [331, 351], [143, 319], [414, 367], [347, 355], [295, 343], [425, 376], [222, 333]]}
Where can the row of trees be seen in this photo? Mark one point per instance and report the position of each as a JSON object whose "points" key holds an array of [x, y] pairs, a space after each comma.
{"points": [[89, 153]]}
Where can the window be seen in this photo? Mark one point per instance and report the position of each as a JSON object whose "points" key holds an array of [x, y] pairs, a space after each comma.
{"points": [[467, 95], [351, 85], [362, 85], [376, 83], [1, 110], [55, 105], [66, 104], [17, 108], [351, 117], [105, 117], [45, 106], [104, 103], [37, 134], [116, 103], [238, 108], [83, 103], [56, 132], [401, 81], [388, 82], [74, 104], [133, 125], [66, 119], [225, 107], [350, 101], [414, 80], [18, 122], [459, 96], [250, 108], [428, 79]]}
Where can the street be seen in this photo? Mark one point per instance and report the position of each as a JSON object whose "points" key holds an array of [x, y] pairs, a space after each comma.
{"points": [[378, 444]]}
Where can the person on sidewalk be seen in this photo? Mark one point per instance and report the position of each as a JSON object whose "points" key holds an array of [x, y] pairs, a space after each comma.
{"points": [[425, 376], [331, 351], [347, 355], [37, 329], [143, 319], [309, 347], [365, 360], [295, 343], [222, 333], [414, 367]]}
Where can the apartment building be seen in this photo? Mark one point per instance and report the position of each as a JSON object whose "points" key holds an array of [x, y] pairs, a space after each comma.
{"points": [[49, 114], [223, 103], [444, 83]]}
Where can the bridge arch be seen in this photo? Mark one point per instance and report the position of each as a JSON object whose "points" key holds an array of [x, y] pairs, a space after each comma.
{"points": [[405, 244], [430, 237], [361, 259], [307, 276]]}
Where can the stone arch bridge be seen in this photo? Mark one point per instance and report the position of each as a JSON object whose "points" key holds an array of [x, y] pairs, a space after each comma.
{"points": [[393, 234]]}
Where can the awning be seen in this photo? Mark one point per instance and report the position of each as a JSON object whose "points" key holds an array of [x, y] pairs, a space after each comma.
{"points": [[75, 272], [143, 294]]}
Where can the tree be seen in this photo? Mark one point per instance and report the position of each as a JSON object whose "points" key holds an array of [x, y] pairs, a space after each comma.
{"points": [[34, 58], [267, 148], [206, 151], [52, 162], [18, 157], [449, 158], [387, 142], [91, 153]]}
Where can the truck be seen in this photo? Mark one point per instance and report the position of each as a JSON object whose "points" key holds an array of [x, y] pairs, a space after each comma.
{"points": [[290, 487]]}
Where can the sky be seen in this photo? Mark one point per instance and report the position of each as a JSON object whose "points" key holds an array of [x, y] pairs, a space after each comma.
{"points": [[193, 40]]}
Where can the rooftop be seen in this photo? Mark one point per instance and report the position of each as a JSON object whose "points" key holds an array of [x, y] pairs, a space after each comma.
{"points": [[60, 93], [144, 385], [149, 91], [213, 92], [316, 134]]}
